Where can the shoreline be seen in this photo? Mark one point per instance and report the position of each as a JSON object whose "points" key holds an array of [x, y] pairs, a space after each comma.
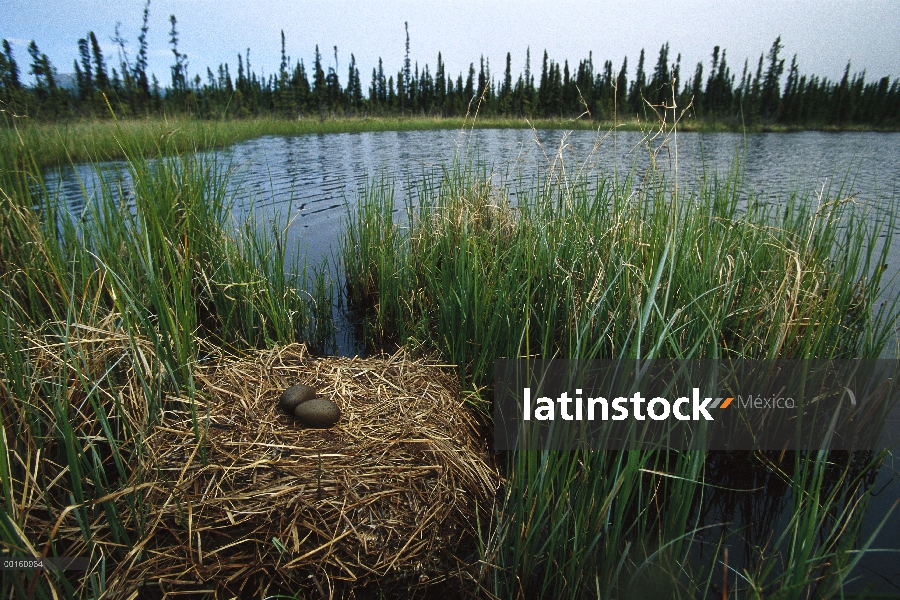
{"points": [[47, 144]]}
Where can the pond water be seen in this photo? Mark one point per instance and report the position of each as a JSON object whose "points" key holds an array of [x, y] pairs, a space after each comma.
{"points": [[311, 178], [309, 181]]}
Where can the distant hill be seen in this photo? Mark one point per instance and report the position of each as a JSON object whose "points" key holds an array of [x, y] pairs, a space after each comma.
{"points": [[67, 81]]}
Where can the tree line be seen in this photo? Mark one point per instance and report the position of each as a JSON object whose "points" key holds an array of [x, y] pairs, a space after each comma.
{"points": [[760, 94]]}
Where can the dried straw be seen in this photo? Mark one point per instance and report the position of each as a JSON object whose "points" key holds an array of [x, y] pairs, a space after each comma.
{"points": [[266, 505]]}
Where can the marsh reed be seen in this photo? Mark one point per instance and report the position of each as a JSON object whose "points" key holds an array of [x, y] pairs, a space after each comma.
{"points": [[635, 264], [104, 316], [127, 299]]}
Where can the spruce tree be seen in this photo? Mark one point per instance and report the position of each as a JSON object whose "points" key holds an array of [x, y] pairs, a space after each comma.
{"points": [[283, 91], [300, 87], [332, 84], [87, 77], [440, 83], [382, 85], [140, 63], [583, 85], [80, 92], [719, 86], [5, 77], [426, 90], [790, 92], [676, 76], [636, 93], [413, 89], [11, 73], [450, 104], [229, 86], [401, 91], [841, 101], [529, 82], [403, 86], [604, 92], [517, 99], [44, 75], [660, 81], [755, 87], [482, 78], [725, 85], [100, 77], [354, 87], [562, 91], [710, 82], [40, 68], [543, 91], [697, 89], [621, 89], [179, 68], [319, 91], [771, 93], [282, 69], [507, 79]]}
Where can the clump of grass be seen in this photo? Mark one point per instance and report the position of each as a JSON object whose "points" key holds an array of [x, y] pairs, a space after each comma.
{"points": [[124, 296], [621, 266], [615, 268]]}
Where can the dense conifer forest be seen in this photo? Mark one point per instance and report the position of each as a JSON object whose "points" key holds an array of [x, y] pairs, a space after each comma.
{"points": [[767, 92]]}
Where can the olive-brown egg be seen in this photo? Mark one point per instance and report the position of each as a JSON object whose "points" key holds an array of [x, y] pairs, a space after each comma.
{"points": [[294, 396], [319, 413]]}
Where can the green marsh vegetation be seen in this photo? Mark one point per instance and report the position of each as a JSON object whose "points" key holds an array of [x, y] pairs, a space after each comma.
{"points": [[61, 143], [56, 144], [102, 317], [633, 265], [122, 303]]}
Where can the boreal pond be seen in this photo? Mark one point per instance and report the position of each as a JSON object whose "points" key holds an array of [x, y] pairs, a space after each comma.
{"points": [[310, 178], [308, 182]]}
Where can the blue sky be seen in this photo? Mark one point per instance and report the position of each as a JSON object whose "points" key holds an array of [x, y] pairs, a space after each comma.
{"points": [[824, 35]]}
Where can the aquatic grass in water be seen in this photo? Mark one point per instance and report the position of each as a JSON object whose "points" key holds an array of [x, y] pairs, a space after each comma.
{"points": [[116, 304], [621, 270], [622, 267]]}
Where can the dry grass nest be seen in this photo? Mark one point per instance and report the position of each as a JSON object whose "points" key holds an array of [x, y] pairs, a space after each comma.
{"points": [[391, 490], [388, 496]]}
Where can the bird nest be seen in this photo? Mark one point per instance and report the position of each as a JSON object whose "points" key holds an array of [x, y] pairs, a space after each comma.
{"points": [[261, 504]]}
